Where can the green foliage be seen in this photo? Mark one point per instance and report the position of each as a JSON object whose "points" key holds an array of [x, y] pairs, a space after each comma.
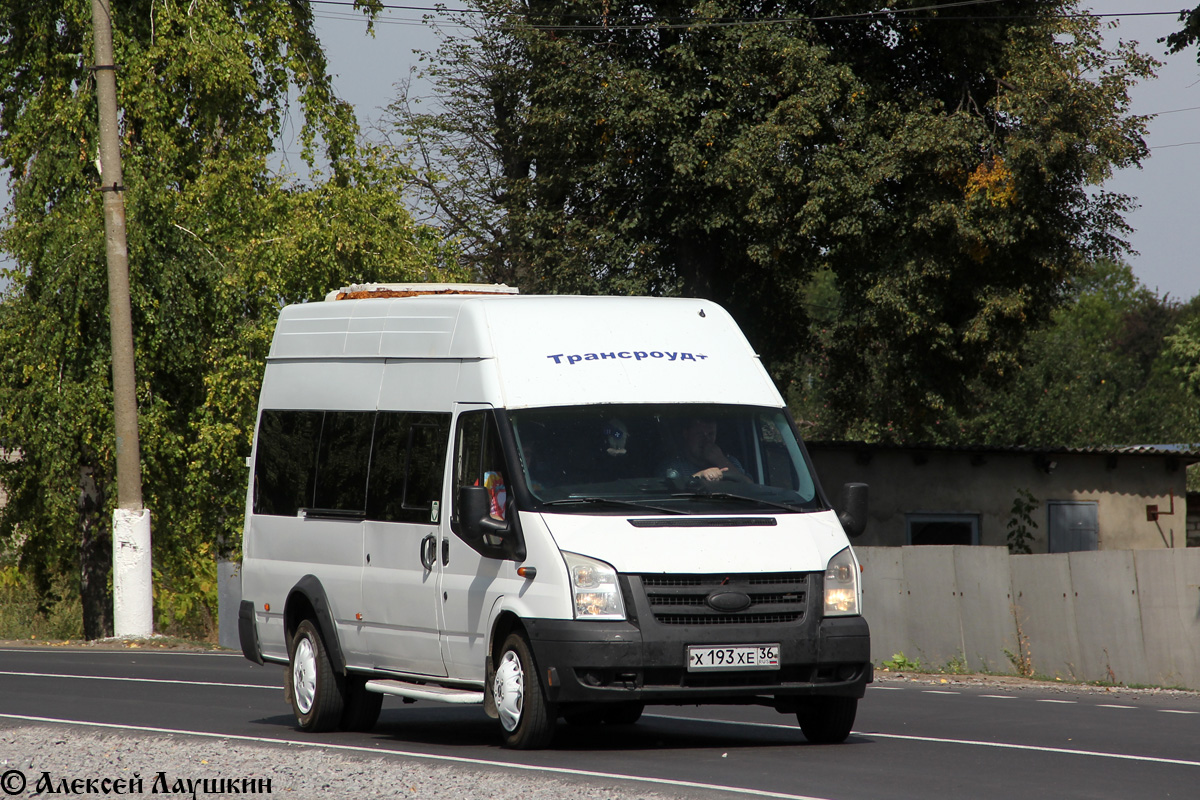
{"points": [[1184, 350], [27, 614], [218, 241], [1020, 524], [902, 663], [1187, 35], [1106, 371], [956, 665], [943, 173]]}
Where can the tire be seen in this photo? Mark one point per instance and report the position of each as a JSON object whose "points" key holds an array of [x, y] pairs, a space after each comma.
{"points": [[361, 708], [316, 688], [527, 720], [827, 720]]}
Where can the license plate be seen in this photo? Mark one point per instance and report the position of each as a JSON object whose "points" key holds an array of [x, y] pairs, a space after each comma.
{"points": [[730, 657]]}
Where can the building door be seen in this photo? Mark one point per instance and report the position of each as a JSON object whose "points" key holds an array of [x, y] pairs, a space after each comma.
{"points": [[1073, 525]]}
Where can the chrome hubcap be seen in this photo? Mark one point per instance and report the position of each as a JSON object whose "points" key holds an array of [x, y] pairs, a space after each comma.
{"points": [[508, 689], [304, 675]]}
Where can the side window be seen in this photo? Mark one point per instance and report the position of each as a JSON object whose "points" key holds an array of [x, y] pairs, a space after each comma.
{"points": [[342, 461], [285, 467], [407, 465], [479, 460], [426, 464]]}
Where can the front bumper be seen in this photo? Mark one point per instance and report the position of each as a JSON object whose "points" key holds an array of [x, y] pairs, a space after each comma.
{"points": [[645, 660]]}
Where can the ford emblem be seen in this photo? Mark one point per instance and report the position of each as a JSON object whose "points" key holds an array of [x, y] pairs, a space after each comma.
{"points": [[728, 601]]}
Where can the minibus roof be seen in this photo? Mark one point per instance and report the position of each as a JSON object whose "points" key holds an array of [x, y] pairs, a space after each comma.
{"points": [[544, 350]]}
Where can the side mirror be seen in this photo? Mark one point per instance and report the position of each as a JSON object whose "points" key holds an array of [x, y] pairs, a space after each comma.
{"points": [[852, 505], [484, 533], [475, 511]]}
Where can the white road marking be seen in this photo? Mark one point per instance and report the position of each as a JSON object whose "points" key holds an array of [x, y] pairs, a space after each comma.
{"points": [[1000, 696], [1175, 711], [887, 688], [1110, 705], [139, 680], [970, 742], [938, 691], [377, 751], [124, 651], [1065, 702]]}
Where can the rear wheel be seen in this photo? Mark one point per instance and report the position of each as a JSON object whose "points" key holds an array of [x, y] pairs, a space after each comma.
{"points": [[316, 693], [362, 708], [827, 720], [526, 718]]}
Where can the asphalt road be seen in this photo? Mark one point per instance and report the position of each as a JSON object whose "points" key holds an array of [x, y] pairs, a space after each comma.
{"points": [[911, 739]]}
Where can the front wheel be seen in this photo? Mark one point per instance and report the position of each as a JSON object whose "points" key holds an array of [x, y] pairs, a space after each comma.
{"points": [[827, 720], [526, 718], [316, 695]]}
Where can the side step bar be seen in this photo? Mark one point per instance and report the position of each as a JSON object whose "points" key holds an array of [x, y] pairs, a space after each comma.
{"points": [[421, 691]]}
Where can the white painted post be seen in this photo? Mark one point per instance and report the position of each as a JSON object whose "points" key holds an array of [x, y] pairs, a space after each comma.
{"points": [[133, 602]]}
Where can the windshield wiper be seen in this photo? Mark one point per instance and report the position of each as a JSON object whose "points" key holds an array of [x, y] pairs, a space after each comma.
{"points": [[732, 496], [578, 501]]}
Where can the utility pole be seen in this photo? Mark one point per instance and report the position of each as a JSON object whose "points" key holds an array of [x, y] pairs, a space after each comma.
{"points": [[132, 594]]}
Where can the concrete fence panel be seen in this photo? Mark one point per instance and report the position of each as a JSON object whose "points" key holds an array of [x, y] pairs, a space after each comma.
{"points": [[985, 606], [1169, 588], [933, 625], [1044, 604], [1125, 616], [1107, 616], [884, 600]]}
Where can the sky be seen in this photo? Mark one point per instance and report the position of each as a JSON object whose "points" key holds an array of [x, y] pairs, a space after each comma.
{"points": [[1166, 234]]}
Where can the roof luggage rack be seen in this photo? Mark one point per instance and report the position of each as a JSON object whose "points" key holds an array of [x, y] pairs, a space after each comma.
{"points": [[367, 291]]}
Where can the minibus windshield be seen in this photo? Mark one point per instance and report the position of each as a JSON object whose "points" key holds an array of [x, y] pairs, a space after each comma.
{"points": [[676, 459]]}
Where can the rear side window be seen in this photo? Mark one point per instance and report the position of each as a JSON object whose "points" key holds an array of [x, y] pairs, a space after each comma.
{"points": [[342, 461], [386, 466], [285, 469]]}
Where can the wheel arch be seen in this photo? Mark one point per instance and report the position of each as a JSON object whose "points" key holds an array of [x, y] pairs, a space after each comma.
{"points": [[307, 600]]}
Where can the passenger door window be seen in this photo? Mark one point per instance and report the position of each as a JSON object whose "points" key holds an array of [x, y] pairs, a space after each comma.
{"points": [[407, 465]]}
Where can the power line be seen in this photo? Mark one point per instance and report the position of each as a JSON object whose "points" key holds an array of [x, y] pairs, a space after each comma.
{"points": [[615, 23], [1173, 111]]}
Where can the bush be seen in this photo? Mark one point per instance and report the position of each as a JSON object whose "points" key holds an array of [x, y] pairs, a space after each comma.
{"points": [[22, 616]]}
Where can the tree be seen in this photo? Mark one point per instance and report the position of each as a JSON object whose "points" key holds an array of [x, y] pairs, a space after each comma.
{"points": [[941, 165], [1101, 374], [1184, 349], [218, 240], [1187, 35]]}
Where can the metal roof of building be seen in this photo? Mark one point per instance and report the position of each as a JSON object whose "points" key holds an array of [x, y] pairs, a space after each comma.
{"points": [[1190, 452]]}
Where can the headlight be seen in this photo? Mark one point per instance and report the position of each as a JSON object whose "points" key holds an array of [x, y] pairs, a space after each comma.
{"points": [[595, 588], [841, 585]]}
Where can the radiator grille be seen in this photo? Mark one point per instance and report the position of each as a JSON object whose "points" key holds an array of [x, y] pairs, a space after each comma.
{"points": [[775, 598]]}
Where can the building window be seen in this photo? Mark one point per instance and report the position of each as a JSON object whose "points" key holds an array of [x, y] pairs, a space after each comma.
{"points": [[935, 528]]}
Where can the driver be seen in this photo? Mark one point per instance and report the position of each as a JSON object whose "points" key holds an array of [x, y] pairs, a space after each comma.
{"points": [[703, 458]]}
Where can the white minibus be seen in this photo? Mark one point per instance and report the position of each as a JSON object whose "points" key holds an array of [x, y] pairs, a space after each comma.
{"points": [[552, 507]]}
